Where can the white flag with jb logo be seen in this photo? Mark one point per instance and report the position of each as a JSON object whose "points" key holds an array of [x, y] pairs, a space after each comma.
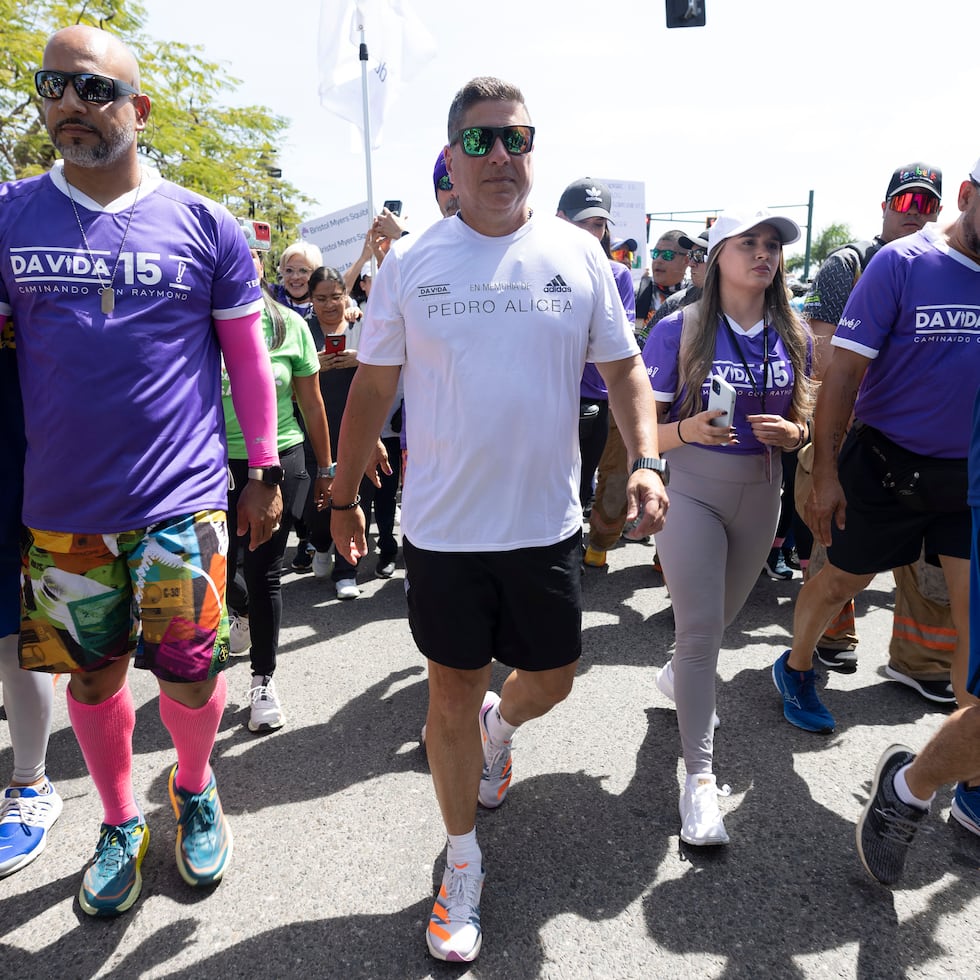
{"points": [[398, 45]]}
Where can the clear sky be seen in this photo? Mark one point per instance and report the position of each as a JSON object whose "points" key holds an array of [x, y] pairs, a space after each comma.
{"points": [[771, 99]]}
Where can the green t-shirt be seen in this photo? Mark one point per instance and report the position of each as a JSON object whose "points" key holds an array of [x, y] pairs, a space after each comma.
{"points": [[295, 358]]}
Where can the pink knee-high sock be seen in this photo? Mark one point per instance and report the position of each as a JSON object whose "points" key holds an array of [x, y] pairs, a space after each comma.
{"points": [[105, 736], [193, 731]]}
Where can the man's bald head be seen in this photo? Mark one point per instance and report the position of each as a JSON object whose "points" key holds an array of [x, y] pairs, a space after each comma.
{"points": [[91, 49]]}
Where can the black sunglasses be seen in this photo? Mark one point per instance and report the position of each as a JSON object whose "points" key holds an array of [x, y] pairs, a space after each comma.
{"points": [[477, 141], [99, 89], [445, 184]]}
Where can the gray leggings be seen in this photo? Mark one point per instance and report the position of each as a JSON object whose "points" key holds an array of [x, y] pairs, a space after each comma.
{"points": [[720, 526]]}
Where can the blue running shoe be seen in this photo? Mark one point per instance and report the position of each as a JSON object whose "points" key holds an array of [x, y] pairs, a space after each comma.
{"points": [[801, 704], [204, 841], [112, 880], [27, 813], [966, 807]]}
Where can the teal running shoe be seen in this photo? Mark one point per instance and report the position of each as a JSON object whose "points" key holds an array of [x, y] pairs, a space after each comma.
{"points": [[112, 880], [204, 840]]}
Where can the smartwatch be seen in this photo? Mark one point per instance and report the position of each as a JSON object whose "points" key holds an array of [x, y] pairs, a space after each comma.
{"points": [[657, 465], [271, 476]]}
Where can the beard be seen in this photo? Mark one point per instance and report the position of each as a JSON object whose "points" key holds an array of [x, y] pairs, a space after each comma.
{"points": [[108, 150]]}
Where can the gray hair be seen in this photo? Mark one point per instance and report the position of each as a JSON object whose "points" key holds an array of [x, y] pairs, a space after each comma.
{"points": [[483, 89]]}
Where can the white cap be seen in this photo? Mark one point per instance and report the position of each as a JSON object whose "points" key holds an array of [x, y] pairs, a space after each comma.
{"points": [[976, 172], [732, 223]]}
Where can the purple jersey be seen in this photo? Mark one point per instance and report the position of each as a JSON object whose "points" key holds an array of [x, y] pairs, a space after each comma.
{"points": [[916, 313], [123, 412], [732, 356], [592, 384]]}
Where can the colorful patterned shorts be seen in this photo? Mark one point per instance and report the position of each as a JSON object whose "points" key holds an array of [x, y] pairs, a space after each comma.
{"points": [[91, 599]]}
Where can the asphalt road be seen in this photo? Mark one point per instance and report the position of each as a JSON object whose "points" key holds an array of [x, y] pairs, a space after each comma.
{"points": [[338, 839]]}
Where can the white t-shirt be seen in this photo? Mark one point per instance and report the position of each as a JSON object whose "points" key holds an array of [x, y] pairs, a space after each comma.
{"points": [[493, 334]]}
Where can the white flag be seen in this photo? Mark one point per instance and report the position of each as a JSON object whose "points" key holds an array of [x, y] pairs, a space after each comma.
{"points": [[398, 46]]}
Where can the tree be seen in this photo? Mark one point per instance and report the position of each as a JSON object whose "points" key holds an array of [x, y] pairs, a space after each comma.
{"points": [[221, 152], [826, 240]]}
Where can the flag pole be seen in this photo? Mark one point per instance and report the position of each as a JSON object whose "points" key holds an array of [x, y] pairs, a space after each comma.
{"points": [[363, 54]]}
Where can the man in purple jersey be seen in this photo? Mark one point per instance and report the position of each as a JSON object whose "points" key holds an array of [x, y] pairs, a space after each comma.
{"points": [[907, 363], [127, 290], [905, 784]]}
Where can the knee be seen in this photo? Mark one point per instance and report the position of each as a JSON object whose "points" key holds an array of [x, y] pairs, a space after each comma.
{"points": [[832, 586]]}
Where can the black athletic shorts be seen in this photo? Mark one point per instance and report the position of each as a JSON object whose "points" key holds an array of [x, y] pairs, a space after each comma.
{"points": [[882, 532], [521, 607]]}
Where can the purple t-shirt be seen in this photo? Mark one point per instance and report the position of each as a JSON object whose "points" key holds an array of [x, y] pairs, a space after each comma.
{"points": [[916, 313], [660, 355], [592, 384], [123, 412]]}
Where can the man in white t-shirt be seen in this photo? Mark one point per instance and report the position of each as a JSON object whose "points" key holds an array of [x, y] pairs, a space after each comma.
{"points": [[490, 317]]}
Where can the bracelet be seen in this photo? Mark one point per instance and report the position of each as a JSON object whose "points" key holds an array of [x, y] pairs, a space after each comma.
{"points": [[802, 439], [350, 506], [679, 436], [326, 472]]}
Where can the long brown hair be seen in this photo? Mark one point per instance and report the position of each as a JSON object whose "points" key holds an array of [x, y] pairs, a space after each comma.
{"points": [[699, 335]]}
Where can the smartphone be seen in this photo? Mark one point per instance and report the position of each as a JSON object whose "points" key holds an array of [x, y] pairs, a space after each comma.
{"points": [[335, 345], [721, 396], [395, 207]]}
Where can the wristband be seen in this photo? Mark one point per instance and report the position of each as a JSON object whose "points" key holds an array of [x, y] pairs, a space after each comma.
{"points": [[679, 436], [326, 472], [350, 506]]}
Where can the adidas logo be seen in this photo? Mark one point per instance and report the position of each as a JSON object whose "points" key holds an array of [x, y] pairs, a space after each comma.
{"points": [[558, 285], [593, 194]]}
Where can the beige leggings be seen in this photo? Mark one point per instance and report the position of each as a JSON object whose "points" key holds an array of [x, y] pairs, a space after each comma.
{"points": [[723, 514]]}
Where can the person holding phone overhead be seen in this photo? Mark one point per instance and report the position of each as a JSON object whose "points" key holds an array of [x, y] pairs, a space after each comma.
{"points": [[725, 480], [337, 340]]}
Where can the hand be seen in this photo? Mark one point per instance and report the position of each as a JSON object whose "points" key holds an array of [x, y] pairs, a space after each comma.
{"points": [[347, 529], [259, 512], [389, 225], [646, 499], [826, 502], [379, 459], [698, 429], [345, 359], [774, 430], [352, 314], [321, 491]]}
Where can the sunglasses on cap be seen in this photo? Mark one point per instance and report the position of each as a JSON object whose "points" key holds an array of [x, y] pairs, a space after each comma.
{"points": [[478, 141], [667, 254], [444, 183], [99, 89], [923, 201], [697, 255]]}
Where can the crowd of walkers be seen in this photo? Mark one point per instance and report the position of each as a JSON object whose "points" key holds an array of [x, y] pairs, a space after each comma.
{"points": [[699, 408]]}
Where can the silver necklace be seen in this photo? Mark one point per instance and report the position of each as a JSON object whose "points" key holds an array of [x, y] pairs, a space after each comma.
{"points": [[107, 293]]}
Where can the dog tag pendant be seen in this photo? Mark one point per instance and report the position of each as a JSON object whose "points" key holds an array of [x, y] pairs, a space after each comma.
{"points": [[108, 295]]}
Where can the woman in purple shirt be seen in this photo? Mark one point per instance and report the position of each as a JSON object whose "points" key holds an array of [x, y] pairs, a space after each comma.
{"points": [[725, 480]]}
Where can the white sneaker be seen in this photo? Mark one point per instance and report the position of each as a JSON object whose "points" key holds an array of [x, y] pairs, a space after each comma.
{"points": [[265, 714], [347, 588], [239, 635], [321, 564], [497, 771], [665, 681], [454, 932], [701, 821]]}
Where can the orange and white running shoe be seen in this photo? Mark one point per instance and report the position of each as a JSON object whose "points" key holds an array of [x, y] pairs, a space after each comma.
{"points": [[497, 773], [454, 932]]}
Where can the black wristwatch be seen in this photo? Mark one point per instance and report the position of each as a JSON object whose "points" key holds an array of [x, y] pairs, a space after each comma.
{"points": [[657, 465], [271, 476]]}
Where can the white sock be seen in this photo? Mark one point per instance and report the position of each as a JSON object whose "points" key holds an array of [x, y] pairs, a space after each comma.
{"points": [[463, 851], [499, 730], [903, 792]]}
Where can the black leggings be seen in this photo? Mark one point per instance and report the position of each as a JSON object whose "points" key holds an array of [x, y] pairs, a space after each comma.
{"points": [[255, 589]]}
